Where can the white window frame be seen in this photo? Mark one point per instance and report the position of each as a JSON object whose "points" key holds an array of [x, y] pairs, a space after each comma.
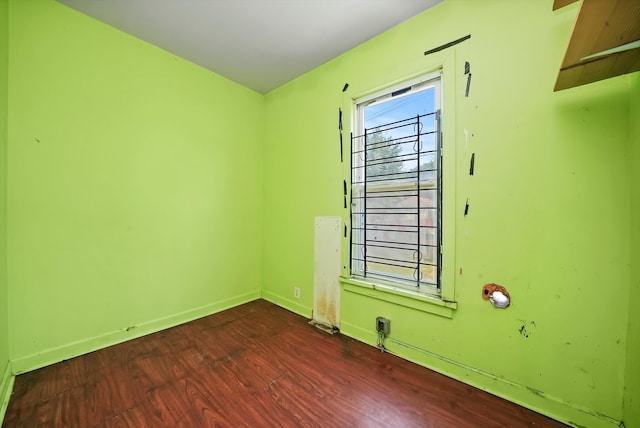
{"points": [[431, 80]]}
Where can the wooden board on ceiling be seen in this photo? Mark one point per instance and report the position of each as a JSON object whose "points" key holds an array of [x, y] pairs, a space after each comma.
{"points": [[601, 25], [557, 4]]}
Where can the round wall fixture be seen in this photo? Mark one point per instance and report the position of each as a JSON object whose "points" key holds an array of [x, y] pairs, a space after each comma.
{"points": [[497, 295]]}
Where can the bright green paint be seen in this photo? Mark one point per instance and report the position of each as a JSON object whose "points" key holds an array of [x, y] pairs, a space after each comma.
{"points": [[134, 192], [632, 375], [142, 188], [549, 205], [4, 326]]}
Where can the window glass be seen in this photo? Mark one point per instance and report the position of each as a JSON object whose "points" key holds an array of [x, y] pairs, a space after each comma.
{"points": [[396, 187]]}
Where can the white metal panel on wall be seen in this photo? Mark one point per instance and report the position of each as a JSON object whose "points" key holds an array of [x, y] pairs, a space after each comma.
{"points": [[326, 303]]}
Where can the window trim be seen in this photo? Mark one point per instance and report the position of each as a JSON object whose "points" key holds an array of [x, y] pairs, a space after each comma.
{"points": [[429, 81], [444, 64], [400, 296]]}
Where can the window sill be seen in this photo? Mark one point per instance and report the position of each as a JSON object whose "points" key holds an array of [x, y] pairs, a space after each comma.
{"points": [[399, 296]]}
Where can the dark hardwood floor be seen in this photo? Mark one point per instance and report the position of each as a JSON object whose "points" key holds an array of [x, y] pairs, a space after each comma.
{"points": [[256, 365]]}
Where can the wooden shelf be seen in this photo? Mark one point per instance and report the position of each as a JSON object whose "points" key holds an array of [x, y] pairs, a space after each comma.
{"points": [[557, 4], [601, 25]]}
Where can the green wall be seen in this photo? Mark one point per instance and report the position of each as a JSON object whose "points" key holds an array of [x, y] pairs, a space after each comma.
{"points": [[144, 191], [134, 199], [549, 205], [632, 376], [5, 369]]}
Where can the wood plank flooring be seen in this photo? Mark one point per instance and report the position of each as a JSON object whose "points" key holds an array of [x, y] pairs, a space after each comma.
{"points": [[256, 365]]}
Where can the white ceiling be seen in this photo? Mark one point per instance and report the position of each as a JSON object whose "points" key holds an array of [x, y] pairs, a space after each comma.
{"points": [[260, 44]]}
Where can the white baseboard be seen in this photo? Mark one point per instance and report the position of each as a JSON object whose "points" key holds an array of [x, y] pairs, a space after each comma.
{"points": [[6, 387]]}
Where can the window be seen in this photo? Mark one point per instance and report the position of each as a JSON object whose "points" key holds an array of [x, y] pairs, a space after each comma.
{"points": [[396, 187]]}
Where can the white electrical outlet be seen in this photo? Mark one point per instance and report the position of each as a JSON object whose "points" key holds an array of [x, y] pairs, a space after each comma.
{"points": [[296, 292]]}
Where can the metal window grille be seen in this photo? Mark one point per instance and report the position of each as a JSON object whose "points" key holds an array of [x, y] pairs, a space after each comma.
{"points": [[396, 202]]}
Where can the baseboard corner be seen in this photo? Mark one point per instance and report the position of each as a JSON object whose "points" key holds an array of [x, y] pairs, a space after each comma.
{"points": [[6, 388], [288, 304]]}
